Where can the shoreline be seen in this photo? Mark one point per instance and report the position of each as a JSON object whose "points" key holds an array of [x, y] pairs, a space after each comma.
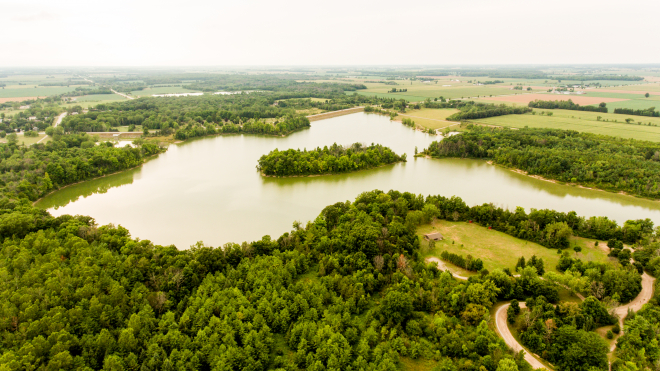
{"points": [[177, 141], [34, 203], [539, 177]]}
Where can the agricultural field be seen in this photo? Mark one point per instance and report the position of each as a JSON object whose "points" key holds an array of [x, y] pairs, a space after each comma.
{"points": [[20, 91], [418, 90], [430, 118], [524, 99], [497, 249], [161, 90], [583, 122]]}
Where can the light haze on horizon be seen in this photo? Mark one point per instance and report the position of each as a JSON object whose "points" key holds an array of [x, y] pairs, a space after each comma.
{"points": [[291, 32]]}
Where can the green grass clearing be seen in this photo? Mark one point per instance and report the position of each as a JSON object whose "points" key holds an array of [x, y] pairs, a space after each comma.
{"points": [[28, 141], [430, 118], [495, 249]]}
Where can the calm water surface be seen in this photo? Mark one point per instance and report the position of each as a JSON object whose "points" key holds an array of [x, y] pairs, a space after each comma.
{"points": [[209, 190]]}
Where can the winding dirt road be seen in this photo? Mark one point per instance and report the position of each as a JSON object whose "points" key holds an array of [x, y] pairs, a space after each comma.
{"points": [[443, 267], [636, 304], [503, 328], [505, 333]]}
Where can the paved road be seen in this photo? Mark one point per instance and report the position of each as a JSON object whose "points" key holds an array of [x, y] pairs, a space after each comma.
{"points": [[60, 118], [57, 122], [123, 95]]}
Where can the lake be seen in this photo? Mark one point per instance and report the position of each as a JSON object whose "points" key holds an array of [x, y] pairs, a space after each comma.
{"points": [[209, 190]]}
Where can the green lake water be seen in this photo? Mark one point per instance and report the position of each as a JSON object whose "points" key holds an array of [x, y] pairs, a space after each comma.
{"points": [[209, 189]]}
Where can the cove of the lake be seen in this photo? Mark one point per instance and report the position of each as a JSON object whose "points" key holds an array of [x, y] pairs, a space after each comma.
{"points": [[209, 189]]}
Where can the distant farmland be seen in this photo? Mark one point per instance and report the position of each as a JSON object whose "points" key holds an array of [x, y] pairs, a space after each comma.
{"points": [[583, 122]]}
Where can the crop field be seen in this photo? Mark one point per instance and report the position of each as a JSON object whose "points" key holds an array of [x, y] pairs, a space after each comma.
{"points": [[161, 90], [583, 122], [636, 89], [578, 99], [17, 91], [430, 118], [35, 79], [495, 249]]}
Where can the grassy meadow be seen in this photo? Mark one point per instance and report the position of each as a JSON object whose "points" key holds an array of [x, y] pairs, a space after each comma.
{"points": [[98, 98], [496, 249]]}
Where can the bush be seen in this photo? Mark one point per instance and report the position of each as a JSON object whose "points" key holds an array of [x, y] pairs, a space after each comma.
{"points": [[610, 334]]}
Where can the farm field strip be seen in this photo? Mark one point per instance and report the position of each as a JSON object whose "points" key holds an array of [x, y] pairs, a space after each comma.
{"points": [[620, 129]]}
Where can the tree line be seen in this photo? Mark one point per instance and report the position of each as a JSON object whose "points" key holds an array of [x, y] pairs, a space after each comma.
{"points": [[568, 105], [604, 162], [482, 110], [327, 160], [651, 112], [468, 263]]}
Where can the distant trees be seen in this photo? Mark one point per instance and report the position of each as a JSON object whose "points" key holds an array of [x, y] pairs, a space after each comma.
{"points": [[567, 105], [651, 112], [472, 111]]}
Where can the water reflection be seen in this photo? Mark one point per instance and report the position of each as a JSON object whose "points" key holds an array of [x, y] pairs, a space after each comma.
{"points": [[208, 189]]}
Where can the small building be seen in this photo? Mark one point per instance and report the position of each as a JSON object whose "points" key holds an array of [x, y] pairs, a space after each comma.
{"points": [[32, 118], [435, 236]]}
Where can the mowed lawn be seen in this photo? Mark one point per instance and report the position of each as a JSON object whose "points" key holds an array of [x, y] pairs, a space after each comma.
{"points": [[430, 118], [497, 249], [581, 121]]}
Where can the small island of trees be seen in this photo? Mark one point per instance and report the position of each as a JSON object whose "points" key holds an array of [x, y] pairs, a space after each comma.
{"points": [[327, 160]]}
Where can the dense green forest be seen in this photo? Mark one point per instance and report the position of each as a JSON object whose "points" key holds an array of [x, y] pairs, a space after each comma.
{"points": [[327, 160], [567, 104], [346, 291], [608, 163]]}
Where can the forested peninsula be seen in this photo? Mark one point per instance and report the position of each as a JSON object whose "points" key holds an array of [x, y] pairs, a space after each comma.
{"points": [[327, 160], [608, 163]]}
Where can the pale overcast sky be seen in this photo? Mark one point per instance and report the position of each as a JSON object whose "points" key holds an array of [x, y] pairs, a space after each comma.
{"points": [[291, 32]]}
